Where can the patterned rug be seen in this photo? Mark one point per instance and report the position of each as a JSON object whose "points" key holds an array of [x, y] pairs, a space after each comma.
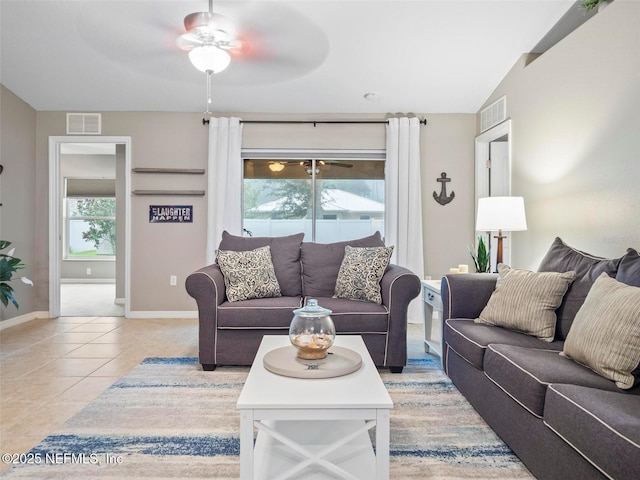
{"points": [[167, 419]]}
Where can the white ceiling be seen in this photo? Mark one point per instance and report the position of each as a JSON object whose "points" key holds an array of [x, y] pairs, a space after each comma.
{"points": [[302, 56]]}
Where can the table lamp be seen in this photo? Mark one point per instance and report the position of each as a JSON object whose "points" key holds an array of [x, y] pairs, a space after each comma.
{"points": [[501, 214]]}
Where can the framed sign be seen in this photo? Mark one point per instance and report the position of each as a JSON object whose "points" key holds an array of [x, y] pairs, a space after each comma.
{"points": [[170, 213]]}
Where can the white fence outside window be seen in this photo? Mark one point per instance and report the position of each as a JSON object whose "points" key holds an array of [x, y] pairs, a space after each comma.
{"points": [[327, 231]]}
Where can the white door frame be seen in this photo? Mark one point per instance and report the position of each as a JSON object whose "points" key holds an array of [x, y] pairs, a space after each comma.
{"points": [[482, 177], [55, 199]]}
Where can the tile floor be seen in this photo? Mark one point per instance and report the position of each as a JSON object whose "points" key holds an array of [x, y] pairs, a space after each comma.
{"points": [[51, 368], [89, 300]]}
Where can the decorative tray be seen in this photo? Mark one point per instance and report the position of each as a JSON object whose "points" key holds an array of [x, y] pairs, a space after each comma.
{"points": [[339, 361]]}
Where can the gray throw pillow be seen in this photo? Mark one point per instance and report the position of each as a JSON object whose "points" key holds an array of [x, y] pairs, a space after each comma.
{"points": [[249, 274], [629, 268], [285, 254], [361, 271], [321, 263], [605, 335], [563, 258], [526, 301]]}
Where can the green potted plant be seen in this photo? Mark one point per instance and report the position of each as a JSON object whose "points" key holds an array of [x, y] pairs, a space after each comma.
{"points": [[8, 265], [481, 257], [591, 4]]}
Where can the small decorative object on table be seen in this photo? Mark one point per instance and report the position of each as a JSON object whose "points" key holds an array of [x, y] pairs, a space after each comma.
{"points": [[312, 331], [482, 258]]}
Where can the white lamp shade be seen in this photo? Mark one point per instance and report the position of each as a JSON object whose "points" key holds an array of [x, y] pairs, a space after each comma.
{"points": [[209, 58], [501, 213]]}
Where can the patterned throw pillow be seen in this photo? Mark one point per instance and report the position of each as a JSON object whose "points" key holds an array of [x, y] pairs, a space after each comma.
{"points": [[248, 274], [321, 263], [526, 301], [285, 255], [605, 335], [361, 271]]}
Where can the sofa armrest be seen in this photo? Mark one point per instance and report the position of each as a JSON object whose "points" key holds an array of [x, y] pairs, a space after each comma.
{"points": [[207, 287], [398, 286], [465, 295], [207, 284]]}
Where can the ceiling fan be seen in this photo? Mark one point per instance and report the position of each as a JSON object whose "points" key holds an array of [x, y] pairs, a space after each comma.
{"points": [[263, 42], [208, 39], [266, 40]]}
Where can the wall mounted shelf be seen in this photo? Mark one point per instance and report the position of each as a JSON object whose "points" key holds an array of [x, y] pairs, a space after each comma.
{"points": [[191, 171], [162, 193]]}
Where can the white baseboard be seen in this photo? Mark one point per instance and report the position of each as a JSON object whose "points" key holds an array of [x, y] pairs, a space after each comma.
{"points": [[163, 314], [27, 317], [119, 301]]}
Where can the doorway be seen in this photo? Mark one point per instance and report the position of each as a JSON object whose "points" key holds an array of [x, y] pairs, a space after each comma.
{"points": [[493, 176], [89, 226]]}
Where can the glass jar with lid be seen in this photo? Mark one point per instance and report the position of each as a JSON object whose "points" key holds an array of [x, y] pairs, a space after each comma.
{"points": [[312, 331]]}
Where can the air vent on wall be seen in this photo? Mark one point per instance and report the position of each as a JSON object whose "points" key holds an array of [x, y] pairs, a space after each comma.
{"points": [[494, 114], [84, 123]]}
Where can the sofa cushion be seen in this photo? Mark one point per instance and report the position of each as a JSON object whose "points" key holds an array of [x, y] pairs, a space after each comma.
{"points": [[525, 373], [285, 254], [353, 316], [629, 268], [563, 258], [589, 418], [470, 340], [526, 301], [605, 335], [249, 274], [360, 273], [321, 263], [263, 313]]}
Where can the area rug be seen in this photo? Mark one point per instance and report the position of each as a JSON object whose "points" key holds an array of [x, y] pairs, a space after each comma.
{"points": [[167, 419]]}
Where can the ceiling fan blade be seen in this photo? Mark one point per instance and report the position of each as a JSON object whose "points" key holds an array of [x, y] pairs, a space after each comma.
{"points": [[340, 164], [274, 42], [189, 41]]}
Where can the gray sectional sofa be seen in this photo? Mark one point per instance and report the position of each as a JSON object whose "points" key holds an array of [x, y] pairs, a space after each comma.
{"points": [[231, 331], [562, 419]]}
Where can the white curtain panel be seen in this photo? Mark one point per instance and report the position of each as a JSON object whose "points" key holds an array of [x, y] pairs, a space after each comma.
{"points": [[224, 181], [403, 199]]}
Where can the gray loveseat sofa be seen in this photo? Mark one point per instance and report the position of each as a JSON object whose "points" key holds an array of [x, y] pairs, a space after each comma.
{"points": [[562, 419], [230, 332]]}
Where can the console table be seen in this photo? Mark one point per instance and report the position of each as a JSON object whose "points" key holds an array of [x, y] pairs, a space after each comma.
{"points": [[432, 303]]}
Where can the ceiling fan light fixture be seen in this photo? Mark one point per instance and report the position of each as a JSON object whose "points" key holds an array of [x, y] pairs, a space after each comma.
{"points": [[208, 58], [276, 166]]}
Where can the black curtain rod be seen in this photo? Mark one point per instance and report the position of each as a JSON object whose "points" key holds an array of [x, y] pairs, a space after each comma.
{"points": [[423, 121]]}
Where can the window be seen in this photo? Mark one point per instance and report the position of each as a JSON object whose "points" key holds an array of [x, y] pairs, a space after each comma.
{"points": [[328, 199], [90, 228]]}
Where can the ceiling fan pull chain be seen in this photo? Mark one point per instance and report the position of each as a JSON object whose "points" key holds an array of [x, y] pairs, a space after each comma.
{"points": [[209, 99]]}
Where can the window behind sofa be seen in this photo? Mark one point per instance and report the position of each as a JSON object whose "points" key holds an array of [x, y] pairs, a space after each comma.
{"points": [[327, 199]]}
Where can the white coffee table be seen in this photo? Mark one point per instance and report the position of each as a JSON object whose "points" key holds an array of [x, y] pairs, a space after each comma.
{"points": [[314, 428]]}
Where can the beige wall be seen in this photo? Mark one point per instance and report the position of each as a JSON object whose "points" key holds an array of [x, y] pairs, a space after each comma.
{"points": [[576, 141], [447, 145], [180, 140], [18, 196]]}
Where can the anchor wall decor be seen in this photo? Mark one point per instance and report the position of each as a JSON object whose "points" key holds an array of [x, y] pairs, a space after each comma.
{"points": [[442, 199]]}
